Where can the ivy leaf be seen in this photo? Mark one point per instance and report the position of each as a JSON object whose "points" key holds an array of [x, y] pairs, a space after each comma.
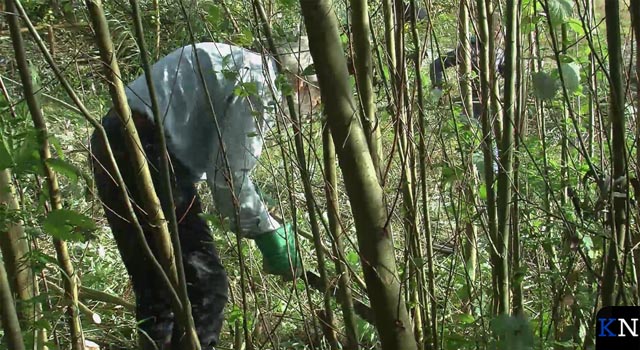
{"points": [[544, 86], [68, 225], [571, 75]]}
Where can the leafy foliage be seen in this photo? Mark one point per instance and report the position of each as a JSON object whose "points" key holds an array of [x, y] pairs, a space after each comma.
{"points": [[68, 225]]}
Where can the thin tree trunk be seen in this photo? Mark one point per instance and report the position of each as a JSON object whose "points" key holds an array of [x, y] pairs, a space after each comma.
{"points": [[333, 210], [487, 135], [364, 78], [635, 18], [156, 13], [505, 168], [189, 342], [10, 323], [68, 274], [613, 263], [14, 246], [328, 316], [469, 244], [364, 191], [406, 154], [426, 289], [520, 126]]}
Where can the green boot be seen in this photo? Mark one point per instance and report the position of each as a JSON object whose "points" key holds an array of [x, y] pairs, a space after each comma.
{"points": [[279, 253]]}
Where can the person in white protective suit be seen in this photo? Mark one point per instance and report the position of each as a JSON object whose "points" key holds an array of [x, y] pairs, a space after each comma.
{"points": [[239, 95]]}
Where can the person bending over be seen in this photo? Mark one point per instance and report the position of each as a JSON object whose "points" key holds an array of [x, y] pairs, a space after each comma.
{"points": [[240, 85], [453, 58]]}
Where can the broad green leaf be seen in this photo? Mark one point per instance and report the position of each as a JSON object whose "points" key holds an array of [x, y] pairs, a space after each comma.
{"points": [[245, 38], [482, 192], [213, 14], [27, 158], [353, 258], [544, 86], [560, 10], [68, 225], [464, 318], [575, 25], [246, 89], [64, 168], [571, 75]]}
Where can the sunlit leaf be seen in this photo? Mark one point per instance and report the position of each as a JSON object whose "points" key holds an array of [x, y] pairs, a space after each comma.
{"points": [[464, 318], [246, 89], [560, 10], [575, 25], [571, 75]]}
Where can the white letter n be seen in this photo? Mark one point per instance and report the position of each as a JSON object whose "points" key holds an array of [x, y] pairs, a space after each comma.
{"points": [[623, 324]]}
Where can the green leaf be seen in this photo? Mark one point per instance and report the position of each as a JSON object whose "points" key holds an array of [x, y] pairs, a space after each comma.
{"points": [[575, 25], [282, 84], [464, 318], [6, 160], [229, 74], [544, 86], [27, 157], [571, 75], [235, 314], [560, 10], [246, 89], [213, 14], [64, 168], [482, 192], [68, 225], [245, 38], [310, 70], [353, 258]]}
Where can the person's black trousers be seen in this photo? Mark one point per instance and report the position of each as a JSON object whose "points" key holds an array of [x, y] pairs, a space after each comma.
{"points": [[207, 283]]}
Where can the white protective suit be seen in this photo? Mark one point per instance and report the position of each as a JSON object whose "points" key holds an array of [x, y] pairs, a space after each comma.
{"points": [[241, 84]]}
